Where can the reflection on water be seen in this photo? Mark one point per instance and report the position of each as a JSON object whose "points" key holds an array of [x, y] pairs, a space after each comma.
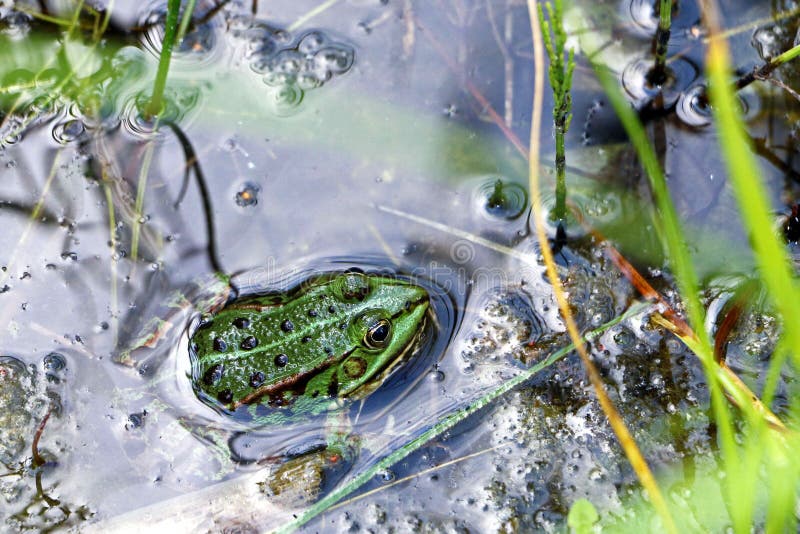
{"points": [[300, 141]]}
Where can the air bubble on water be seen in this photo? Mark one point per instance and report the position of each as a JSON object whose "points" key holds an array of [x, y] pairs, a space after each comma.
{"points": [[279, 79], [643, 15], [336, 59], [638, 83], [308, 81], [436, 376], [693, 107], [768, 42], [247, 195], [311, 43], [68, 131], [287, 98], [450, 111], [501, 199]]}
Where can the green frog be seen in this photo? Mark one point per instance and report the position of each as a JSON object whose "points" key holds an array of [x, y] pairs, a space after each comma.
{"points": [[334, 337]]}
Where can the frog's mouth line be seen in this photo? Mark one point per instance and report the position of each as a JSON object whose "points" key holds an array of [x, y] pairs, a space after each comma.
{"points": [[277, 387]]}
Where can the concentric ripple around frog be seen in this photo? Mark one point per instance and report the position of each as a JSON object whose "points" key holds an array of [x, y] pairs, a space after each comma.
{"points": [[336, 336]]}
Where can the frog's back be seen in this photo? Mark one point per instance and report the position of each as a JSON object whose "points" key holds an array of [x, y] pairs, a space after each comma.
{"points": [[327, 338]]}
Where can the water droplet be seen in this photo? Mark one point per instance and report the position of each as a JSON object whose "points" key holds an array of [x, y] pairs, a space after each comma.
{"points": [[54, 362], [436, 376], [248, 195]]}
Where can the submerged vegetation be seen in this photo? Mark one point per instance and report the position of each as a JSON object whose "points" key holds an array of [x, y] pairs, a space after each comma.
{"points": [[652, 280]]}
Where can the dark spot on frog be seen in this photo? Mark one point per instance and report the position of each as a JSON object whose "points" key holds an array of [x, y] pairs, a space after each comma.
{"points": [[342, 326], [354, 367], [328, 351], [220, 345], [331, 309], [333, 387], [249, 342], [312, 313], [281, 360], [205, 322], [305, 339], [287, 326], [225, 396], [241, 323], [213, 374], [407, 305], [256, 379]]}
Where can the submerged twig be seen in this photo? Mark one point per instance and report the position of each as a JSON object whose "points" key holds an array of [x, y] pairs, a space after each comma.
{"points": [[205, 197], [38, 461], [765, 70]]}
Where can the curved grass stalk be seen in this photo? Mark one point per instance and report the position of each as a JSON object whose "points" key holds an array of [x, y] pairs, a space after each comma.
{"points": [[447, 423], [35, 212], [324, 6], [141, 187], [185, 20], [623, 435]]}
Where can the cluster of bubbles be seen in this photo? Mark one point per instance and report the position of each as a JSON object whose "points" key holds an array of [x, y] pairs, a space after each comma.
{"points": [[678, 85], [291, 68], [506, 329]]}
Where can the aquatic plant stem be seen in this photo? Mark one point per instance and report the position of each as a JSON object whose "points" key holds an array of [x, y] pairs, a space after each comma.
{"points": [[626, 440], [445, 424], [155, 105], [560, 77], [660, 41]]}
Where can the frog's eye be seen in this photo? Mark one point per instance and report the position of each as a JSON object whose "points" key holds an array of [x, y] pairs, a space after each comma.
{"points": [[351, 287], [378, 335]]}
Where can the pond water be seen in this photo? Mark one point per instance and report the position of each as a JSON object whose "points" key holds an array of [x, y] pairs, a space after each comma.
{"points": [[304, 138]]}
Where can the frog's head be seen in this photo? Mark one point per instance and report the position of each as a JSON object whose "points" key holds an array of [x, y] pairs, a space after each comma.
{"points": [[391, 316]]}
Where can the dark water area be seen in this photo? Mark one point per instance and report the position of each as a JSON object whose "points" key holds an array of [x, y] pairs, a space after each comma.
{"points": [[304, 138]]}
